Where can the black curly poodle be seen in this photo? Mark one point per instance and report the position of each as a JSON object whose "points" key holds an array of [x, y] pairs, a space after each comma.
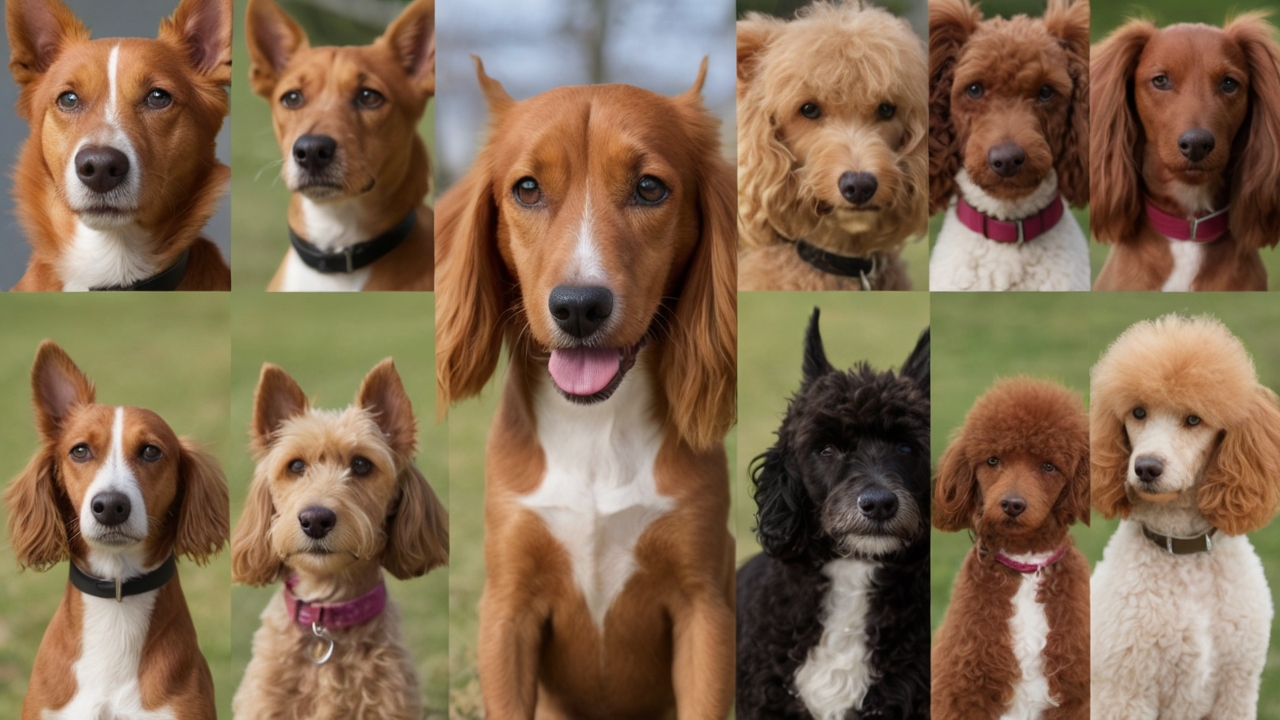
{"points": [[833, 616]]}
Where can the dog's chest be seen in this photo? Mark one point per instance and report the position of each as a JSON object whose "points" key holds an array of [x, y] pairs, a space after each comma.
{"points": [[330, 227], [1028, 634], [99, 258], [837, 673], [599, 493], [1187, 259], [300, 277], [111, 641]]}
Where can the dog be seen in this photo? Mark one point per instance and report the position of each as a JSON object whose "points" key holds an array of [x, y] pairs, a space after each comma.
{"points": [[1185, 164], [833, 616], [832, 148], [118, 176], [345, 119], [335, 500], [116, 492], [610, 568], [1186, 450], [1009, 143], [1015, 639]]}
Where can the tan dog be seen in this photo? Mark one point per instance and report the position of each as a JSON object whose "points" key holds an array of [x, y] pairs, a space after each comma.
{"points": [[346, 118]]}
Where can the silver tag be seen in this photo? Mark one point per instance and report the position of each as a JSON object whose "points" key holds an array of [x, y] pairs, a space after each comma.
{"points": [[322, 650]]}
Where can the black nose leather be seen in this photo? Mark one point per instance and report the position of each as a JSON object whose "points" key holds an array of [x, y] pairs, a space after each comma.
{"points": [[878, 504], [1148, 468], [580, 310], [858, 187], [1196, 144], [101, 168], [1006, 159], [314, 153], [317, 521], [1013, 506], [111, 508]]}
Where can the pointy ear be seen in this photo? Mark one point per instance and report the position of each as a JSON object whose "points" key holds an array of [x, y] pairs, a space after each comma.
{"points": [[917, 365], [202, 28], [38, 31], [383, 396], [274, 38], [57, 387], [277, 399], [494, 94], [413, 40], [815, 356]]}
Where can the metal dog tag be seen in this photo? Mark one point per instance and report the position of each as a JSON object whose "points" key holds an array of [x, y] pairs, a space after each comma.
{"points": [[322, 649]]}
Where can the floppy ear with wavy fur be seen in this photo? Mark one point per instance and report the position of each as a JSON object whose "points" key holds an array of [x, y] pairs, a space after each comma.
{"points": [[768, 187], [204, 515], [1069, 22], [955, 491], [417, 529], [1108, 459], [38, 512], [1240, 492], [1255, 204], [1074, 503], [1115, 136], [951, 22], [786, 523], [253, 562]]}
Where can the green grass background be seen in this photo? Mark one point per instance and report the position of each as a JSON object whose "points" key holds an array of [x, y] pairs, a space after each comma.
{"points": [[165, 353], [328, 344], [259, 198]]}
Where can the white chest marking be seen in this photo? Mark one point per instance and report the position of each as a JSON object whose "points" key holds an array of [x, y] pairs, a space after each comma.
{"points": [[1029, 632], [599, 492], [106, 257], [837, 674], [1187, 258], [330, 227]]}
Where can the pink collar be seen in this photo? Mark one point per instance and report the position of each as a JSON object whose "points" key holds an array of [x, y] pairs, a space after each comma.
{"points": [[334, 615], [1026, 568], [1202, 229], [1011, 231]]}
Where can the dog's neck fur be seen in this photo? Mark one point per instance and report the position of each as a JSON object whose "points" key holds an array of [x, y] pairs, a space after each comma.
{"points": [[349, 583], [1180, 517], [1008, 210]]}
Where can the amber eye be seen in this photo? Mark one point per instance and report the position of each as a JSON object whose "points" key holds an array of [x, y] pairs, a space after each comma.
{"points": [[974, 91], [292, 99], [158, 99], [369, 99], [1139, 413], [361, 466], [993, 461], [650, 190], [81, 452], [1193, 420], [297, 467], [527, 192], [811, 111], [1049, 467], [886, 111], [1230, 85], [1046, 94], [1161, 82], [151, 453], [68, 101]]}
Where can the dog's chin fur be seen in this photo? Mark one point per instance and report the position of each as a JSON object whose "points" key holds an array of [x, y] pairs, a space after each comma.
{"points": [[869, 546]]}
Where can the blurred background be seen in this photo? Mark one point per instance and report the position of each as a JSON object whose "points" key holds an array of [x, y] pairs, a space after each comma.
{"points": [[136, 18], [167, 354], [259, 193], [332, 342]]}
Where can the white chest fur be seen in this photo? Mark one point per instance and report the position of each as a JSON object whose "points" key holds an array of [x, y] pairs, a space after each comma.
{"points": [[599, 492], [837, 674], [330, 227], [300, 277], [1028, 632], [1187, 259], [106, 258]]}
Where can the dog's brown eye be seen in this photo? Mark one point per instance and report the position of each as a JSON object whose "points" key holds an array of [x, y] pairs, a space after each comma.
{"points": [[1230, 85], [886, 111], [81, 452], [292, 99], [68, 101], [158, 99], [369, 99], [650, 190], [974, 91], [1193, 420], [1046, 94], [360, 466], [1049, 467], [1139, 413], [811, 111], [150, 453], [527, 191], [1161, 82], [993, 461], [297, 466]]}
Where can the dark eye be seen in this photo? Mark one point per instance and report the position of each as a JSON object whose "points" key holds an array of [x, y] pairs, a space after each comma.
{"points": [[810, 111], [993, 461], [292, 99], [297, 467], [827, 451], [158, 99], [151, 453], [650, 190], [361, 466], [1229, 85], [974, 91], [886, 111], [1046, 94], [527, 192], [68, 102], [1049, 467], [369, 99], [1161, 82], [905, 449], [81, 452], [1193, 420], [1139, 413]]}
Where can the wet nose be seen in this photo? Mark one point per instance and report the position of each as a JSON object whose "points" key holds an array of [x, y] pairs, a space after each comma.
{"points": [[111, 508], [580, 310], [1196, 144], [858, 187], [314, 153], [878, 504], [317, 521], [101, 168], [1006, 159], [1013, 506], [1148, 468]]}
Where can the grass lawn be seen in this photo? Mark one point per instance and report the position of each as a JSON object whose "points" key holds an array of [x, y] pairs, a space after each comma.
{"points": [[328, 343], [165, 353]]}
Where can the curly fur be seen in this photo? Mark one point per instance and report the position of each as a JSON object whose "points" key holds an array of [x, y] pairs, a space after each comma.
{"points": [[783, 592], [847, 59]]}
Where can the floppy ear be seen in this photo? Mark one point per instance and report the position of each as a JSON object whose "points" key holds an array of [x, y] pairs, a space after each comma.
{"points": [[37, 515], [383, 396], [276, 399], [815, 355], [1115, 137], [1074, 504], [1108, 461], [951, 22], [273, 38], [38, 31], [417, 529], [1069, 23], [955, 492], [202, 28], [253, 562], [917, 365], [1240, 493], [203, 516], [413, 39], [786, 523], [1255, 204]]}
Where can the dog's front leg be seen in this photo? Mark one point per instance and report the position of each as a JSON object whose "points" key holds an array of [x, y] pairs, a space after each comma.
{"points": [[704, 657], [510, 636]]}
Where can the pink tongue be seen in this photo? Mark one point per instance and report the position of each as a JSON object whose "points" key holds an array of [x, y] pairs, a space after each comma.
{"points": [[583, 371]]}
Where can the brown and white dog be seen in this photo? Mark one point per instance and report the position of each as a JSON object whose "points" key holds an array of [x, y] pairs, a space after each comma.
{"points": [[116, 492], [595, 235], [345, 119], [118, 175]]}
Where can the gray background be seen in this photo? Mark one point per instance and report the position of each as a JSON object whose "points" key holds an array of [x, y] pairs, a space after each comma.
{"points": [[135, 18]]}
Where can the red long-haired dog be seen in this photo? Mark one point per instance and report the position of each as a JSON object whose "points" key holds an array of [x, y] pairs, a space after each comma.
{"points": [[595, 235], [1015, 640], [1185, 169]]}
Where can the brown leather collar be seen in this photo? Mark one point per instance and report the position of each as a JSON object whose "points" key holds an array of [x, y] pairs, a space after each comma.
{"points": [[1181, 546]]}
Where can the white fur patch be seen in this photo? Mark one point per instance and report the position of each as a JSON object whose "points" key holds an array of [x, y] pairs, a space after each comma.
{"points": [[1187, 259], [837, 674], [586, 268], [1029, 632], [599, 493], [115, 475], [330, 227]]}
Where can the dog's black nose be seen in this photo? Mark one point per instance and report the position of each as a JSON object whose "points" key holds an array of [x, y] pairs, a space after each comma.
{"points": [[580, 310], [317, 521], [1006, 159], [1196, 144], [1013, 506], [878, 504], [101, 168], [1148, 468], [111, 508], [858, 187], [313, 153]]}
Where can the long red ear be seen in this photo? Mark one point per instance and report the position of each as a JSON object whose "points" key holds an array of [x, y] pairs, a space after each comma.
{"points": [[38, 512], [276, 399], [1069, 22], [202, 28], [1255, 204], [413, 39], [382, 395], [38, 32], [273, 38], [57, 386], [955, 491], [1115, 138], [951, 22], [204, 516], [1240, 493]]}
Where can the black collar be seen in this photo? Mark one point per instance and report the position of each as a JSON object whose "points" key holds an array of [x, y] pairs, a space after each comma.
{"points": [[354, 257], [114, 589], [1181, 546], [168, 279], [833, 264]]}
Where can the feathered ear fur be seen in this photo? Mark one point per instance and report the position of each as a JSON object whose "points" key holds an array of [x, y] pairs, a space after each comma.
{"points": [[1074, 503], [1240, 493], [951, 22], [38, 512], [786, 525], [252, 560], [204, 515], [955, 492], [1115, 137], [1069, 23], [916, 366], [1255, 204], [764, 163], [417, 529], [816, 363], [1108, 461]]}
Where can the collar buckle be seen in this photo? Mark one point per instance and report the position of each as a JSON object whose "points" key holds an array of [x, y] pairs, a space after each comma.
{"points": [[348, 253]]}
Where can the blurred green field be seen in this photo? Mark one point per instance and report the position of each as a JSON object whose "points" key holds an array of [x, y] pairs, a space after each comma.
{"points": [[259, 229], [166, 353], [328, 344]]}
